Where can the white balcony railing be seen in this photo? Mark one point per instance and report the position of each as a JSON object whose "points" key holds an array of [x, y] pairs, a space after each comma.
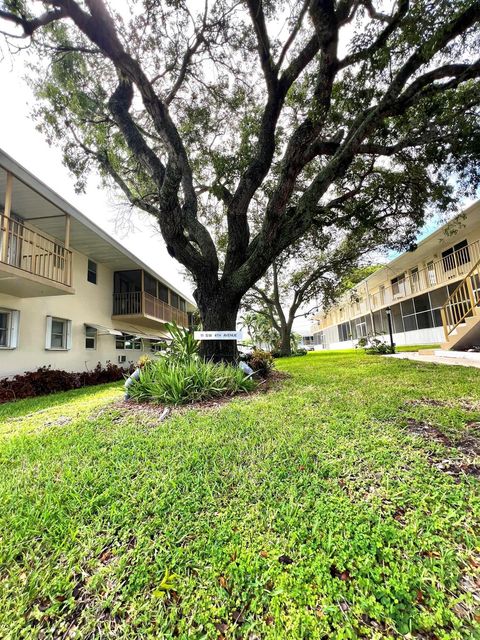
{"points": [[448, 269]]}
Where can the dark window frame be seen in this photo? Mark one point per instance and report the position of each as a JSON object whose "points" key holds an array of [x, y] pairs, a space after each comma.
{"points": [[92, 269]]}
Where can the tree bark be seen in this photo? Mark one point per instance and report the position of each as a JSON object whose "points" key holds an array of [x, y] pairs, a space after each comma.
{"points": [[218, 312], [285, 342]]}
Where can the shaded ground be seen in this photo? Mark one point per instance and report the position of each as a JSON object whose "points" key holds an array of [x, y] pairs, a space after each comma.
{"points": [[320, 510]]}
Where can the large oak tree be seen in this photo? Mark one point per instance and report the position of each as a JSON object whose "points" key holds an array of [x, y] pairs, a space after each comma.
{"points": [[242, 124]]}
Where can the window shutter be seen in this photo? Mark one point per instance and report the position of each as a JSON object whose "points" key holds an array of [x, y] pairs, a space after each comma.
{"points": [[48, 334], [69, 334], [14, 327]]}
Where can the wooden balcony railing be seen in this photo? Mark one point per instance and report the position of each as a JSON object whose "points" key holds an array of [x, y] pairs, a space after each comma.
{"points": [[142, 303], [33, 253]]}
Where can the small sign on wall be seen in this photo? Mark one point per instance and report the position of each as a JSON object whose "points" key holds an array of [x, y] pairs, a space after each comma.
{"points": [[217, 335]]}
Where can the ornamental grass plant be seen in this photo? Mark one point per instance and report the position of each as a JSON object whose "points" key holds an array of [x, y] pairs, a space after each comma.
{"points": [[180, 376], [169, 381]]}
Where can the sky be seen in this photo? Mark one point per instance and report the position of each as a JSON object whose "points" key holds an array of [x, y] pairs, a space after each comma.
{"points": [[20, 139]]}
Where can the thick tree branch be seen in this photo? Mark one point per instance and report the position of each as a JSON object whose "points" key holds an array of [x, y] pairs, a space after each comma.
{"points": [[252, 178], [257, 16], [29, 26]]}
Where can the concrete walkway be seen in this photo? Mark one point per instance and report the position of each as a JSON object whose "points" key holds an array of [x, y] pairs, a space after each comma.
{"points": [[458, 359]]}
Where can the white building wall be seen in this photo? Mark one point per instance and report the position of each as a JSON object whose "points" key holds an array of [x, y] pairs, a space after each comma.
{"points": [[405, 338], [91, 303]]}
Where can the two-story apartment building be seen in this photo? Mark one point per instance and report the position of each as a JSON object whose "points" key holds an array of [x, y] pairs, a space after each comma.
{"points": [[70, 295], [431, 294]]}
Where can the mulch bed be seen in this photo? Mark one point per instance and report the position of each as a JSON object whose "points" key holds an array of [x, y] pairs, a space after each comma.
{"points": [[151, 414]]}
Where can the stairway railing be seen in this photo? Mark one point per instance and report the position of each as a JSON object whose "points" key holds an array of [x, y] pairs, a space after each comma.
{"points": [[462, 302]]}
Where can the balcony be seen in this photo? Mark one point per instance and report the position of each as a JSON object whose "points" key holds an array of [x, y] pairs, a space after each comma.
{"points": [[144, 309], [31, 264], [449, 269]]}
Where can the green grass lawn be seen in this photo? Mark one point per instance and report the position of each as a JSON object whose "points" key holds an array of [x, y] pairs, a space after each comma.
{"points": [[307, 512], [417, 347]]}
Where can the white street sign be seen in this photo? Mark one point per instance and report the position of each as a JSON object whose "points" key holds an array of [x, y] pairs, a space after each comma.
{"points": [[218, 335]]}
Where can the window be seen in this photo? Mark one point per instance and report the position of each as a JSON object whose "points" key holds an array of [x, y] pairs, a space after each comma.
{"points": [[438, 297], [410, 323], [92, 272], [150, 284], [437, 318], [380, 322], [163, 293], [361, 329], [90, 338], [407, 307], [414, 279], [319, 338], [9, 320], [128, 342], [397, 320], [59, 334], [422, 303], [344, 331], [456, 256], [424, 320], [174, 299], [4, 329], [157, 347], [398, 285]]}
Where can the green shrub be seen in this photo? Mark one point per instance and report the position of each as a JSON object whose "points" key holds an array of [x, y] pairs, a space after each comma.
{"points": [[362, 343], [261, 362], [378, 347], [172, 381], [299, 352], [183, 347]]}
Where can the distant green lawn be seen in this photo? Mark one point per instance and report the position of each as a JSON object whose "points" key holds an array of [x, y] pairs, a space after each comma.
{"points": [[417, 347], [308, 512]]}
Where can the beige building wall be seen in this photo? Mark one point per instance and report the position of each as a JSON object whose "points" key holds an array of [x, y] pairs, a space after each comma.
{"points": [[422, 271], [91, 303], [45, 246]]}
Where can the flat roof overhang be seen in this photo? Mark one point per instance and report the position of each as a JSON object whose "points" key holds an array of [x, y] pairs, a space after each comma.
{"points": [[34, 201]]}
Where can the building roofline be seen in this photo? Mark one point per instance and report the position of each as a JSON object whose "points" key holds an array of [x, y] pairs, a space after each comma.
{"points": [[30, 180], [428, 238]]}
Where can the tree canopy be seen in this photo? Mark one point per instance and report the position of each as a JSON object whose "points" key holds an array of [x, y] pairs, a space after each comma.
{"points": [[243, 124]]}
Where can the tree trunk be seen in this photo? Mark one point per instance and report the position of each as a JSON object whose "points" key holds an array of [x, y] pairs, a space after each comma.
{"points": [[218, 312], [285, 341]]}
